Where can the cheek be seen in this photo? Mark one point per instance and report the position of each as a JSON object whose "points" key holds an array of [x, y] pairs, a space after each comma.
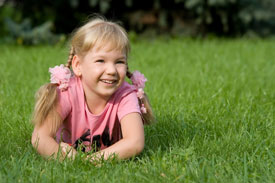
{"points": [[122, 71], [91, 73], [94, 69]]}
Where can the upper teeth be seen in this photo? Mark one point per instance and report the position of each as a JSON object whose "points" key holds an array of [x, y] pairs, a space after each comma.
{"points": [[108, 81]]}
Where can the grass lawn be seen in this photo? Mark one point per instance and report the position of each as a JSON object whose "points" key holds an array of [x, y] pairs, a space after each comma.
{"points": [[213, 99]]}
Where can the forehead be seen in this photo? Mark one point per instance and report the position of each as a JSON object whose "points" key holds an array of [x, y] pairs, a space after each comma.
{"points": [[107, 51], [109, 44]]}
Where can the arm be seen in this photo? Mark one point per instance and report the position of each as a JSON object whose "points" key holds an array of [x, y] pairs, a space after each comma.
{"points": [[43, 141], [132, 142]]}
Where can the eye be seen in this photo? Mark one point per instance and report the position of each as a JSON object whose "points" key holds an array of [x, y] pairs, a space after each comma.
{"points": [[99, 61], [120, 62]]}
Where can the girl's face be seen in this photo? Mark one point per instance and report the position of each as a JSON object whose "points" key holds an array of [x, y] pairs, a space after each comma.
{"points": [[102, 71]]}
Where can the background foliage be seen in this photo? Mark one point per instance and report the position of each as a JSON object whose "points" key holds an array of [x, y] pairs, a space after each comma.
{"points": [[176, 17]]}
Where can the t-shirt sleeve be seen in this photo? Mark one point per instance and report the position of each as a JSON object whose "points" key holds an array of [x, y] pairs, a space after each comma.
{"points": [[64, 107], [128, 104]]}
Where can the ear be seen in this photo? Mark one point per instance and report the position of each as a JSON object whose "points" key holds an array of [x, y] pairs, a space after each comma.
{"points": [[76, 65]]}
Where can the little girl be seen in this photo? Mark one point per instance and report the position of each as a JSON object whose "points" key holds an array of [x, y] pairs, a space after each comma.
{"points": [[93, 108]]}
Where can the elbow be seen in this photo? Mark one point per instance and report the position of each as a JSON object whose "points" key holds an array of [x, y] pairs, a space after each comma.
{"points": [[137, 147], [34, 140]]}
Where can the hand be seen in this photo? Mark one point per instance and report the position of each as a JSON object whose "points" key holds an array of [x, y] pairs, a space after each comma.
{"points": [[67, 150], [95, 159]]}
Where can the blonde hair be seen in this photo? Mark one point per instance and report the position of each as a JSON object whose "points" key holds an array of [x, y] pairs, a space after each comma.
{"points": [[46, 106], [96, 32]]}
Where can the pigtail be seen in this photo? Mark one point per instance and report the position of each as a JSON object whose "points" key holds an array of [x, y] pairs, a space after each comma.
{"points": [[46, 98], [71, 55], [148, 116], [46, 105], [128, 73]]}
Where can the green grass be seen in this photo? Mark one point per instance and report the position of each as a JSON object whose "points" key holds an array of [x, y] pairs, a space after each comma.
{"points": [[213, 99]]}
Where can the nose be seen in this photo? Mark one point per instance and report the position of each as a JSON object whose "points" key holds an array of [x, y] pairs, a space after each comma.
{"points": [[111, 69]]}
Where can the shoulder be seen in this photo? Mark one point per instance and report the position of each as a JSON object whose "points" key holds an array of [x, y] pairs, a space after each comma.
{"points": [[124, 90], [127, 100], [70, 97], [74, 88]]}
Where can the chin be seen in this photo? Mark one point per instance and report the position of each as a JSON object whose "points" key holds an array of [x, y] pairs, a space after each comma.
{"points": [[108, 94]]}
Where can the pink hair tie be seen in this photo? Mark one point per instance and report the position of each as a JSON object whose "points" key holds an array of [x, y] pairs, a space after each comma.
{"points": [[60, 75], [138, 81], [143, 109], [140, 93]]}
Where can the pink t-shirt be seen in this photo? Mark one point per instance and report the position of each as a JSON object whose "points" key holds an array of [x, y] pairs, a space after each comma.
{"points": [[80, 126]]}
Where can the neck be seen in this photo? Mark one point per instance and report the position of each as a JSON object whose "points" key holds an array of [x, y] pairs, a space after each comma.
{"points": [[95, 104]]}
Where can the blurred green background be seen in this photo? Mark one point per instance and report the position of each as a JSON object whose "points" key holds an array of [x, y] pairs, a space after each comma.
{"points": [[33, 22]]}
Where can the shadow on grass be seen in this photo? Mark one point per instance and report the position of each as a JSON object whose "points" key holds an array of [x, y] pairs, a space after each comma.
{"points": [[169, 131]]}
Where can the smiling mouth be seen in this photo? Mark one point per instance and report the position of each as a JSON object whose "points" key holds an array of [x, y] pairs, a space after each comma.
{"points": [[109, 81]]}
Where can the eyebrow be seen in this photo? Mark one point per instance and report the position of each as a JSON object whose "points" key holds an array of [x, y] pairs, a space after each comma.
{"points": [[121, 58], [103, 56]]}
